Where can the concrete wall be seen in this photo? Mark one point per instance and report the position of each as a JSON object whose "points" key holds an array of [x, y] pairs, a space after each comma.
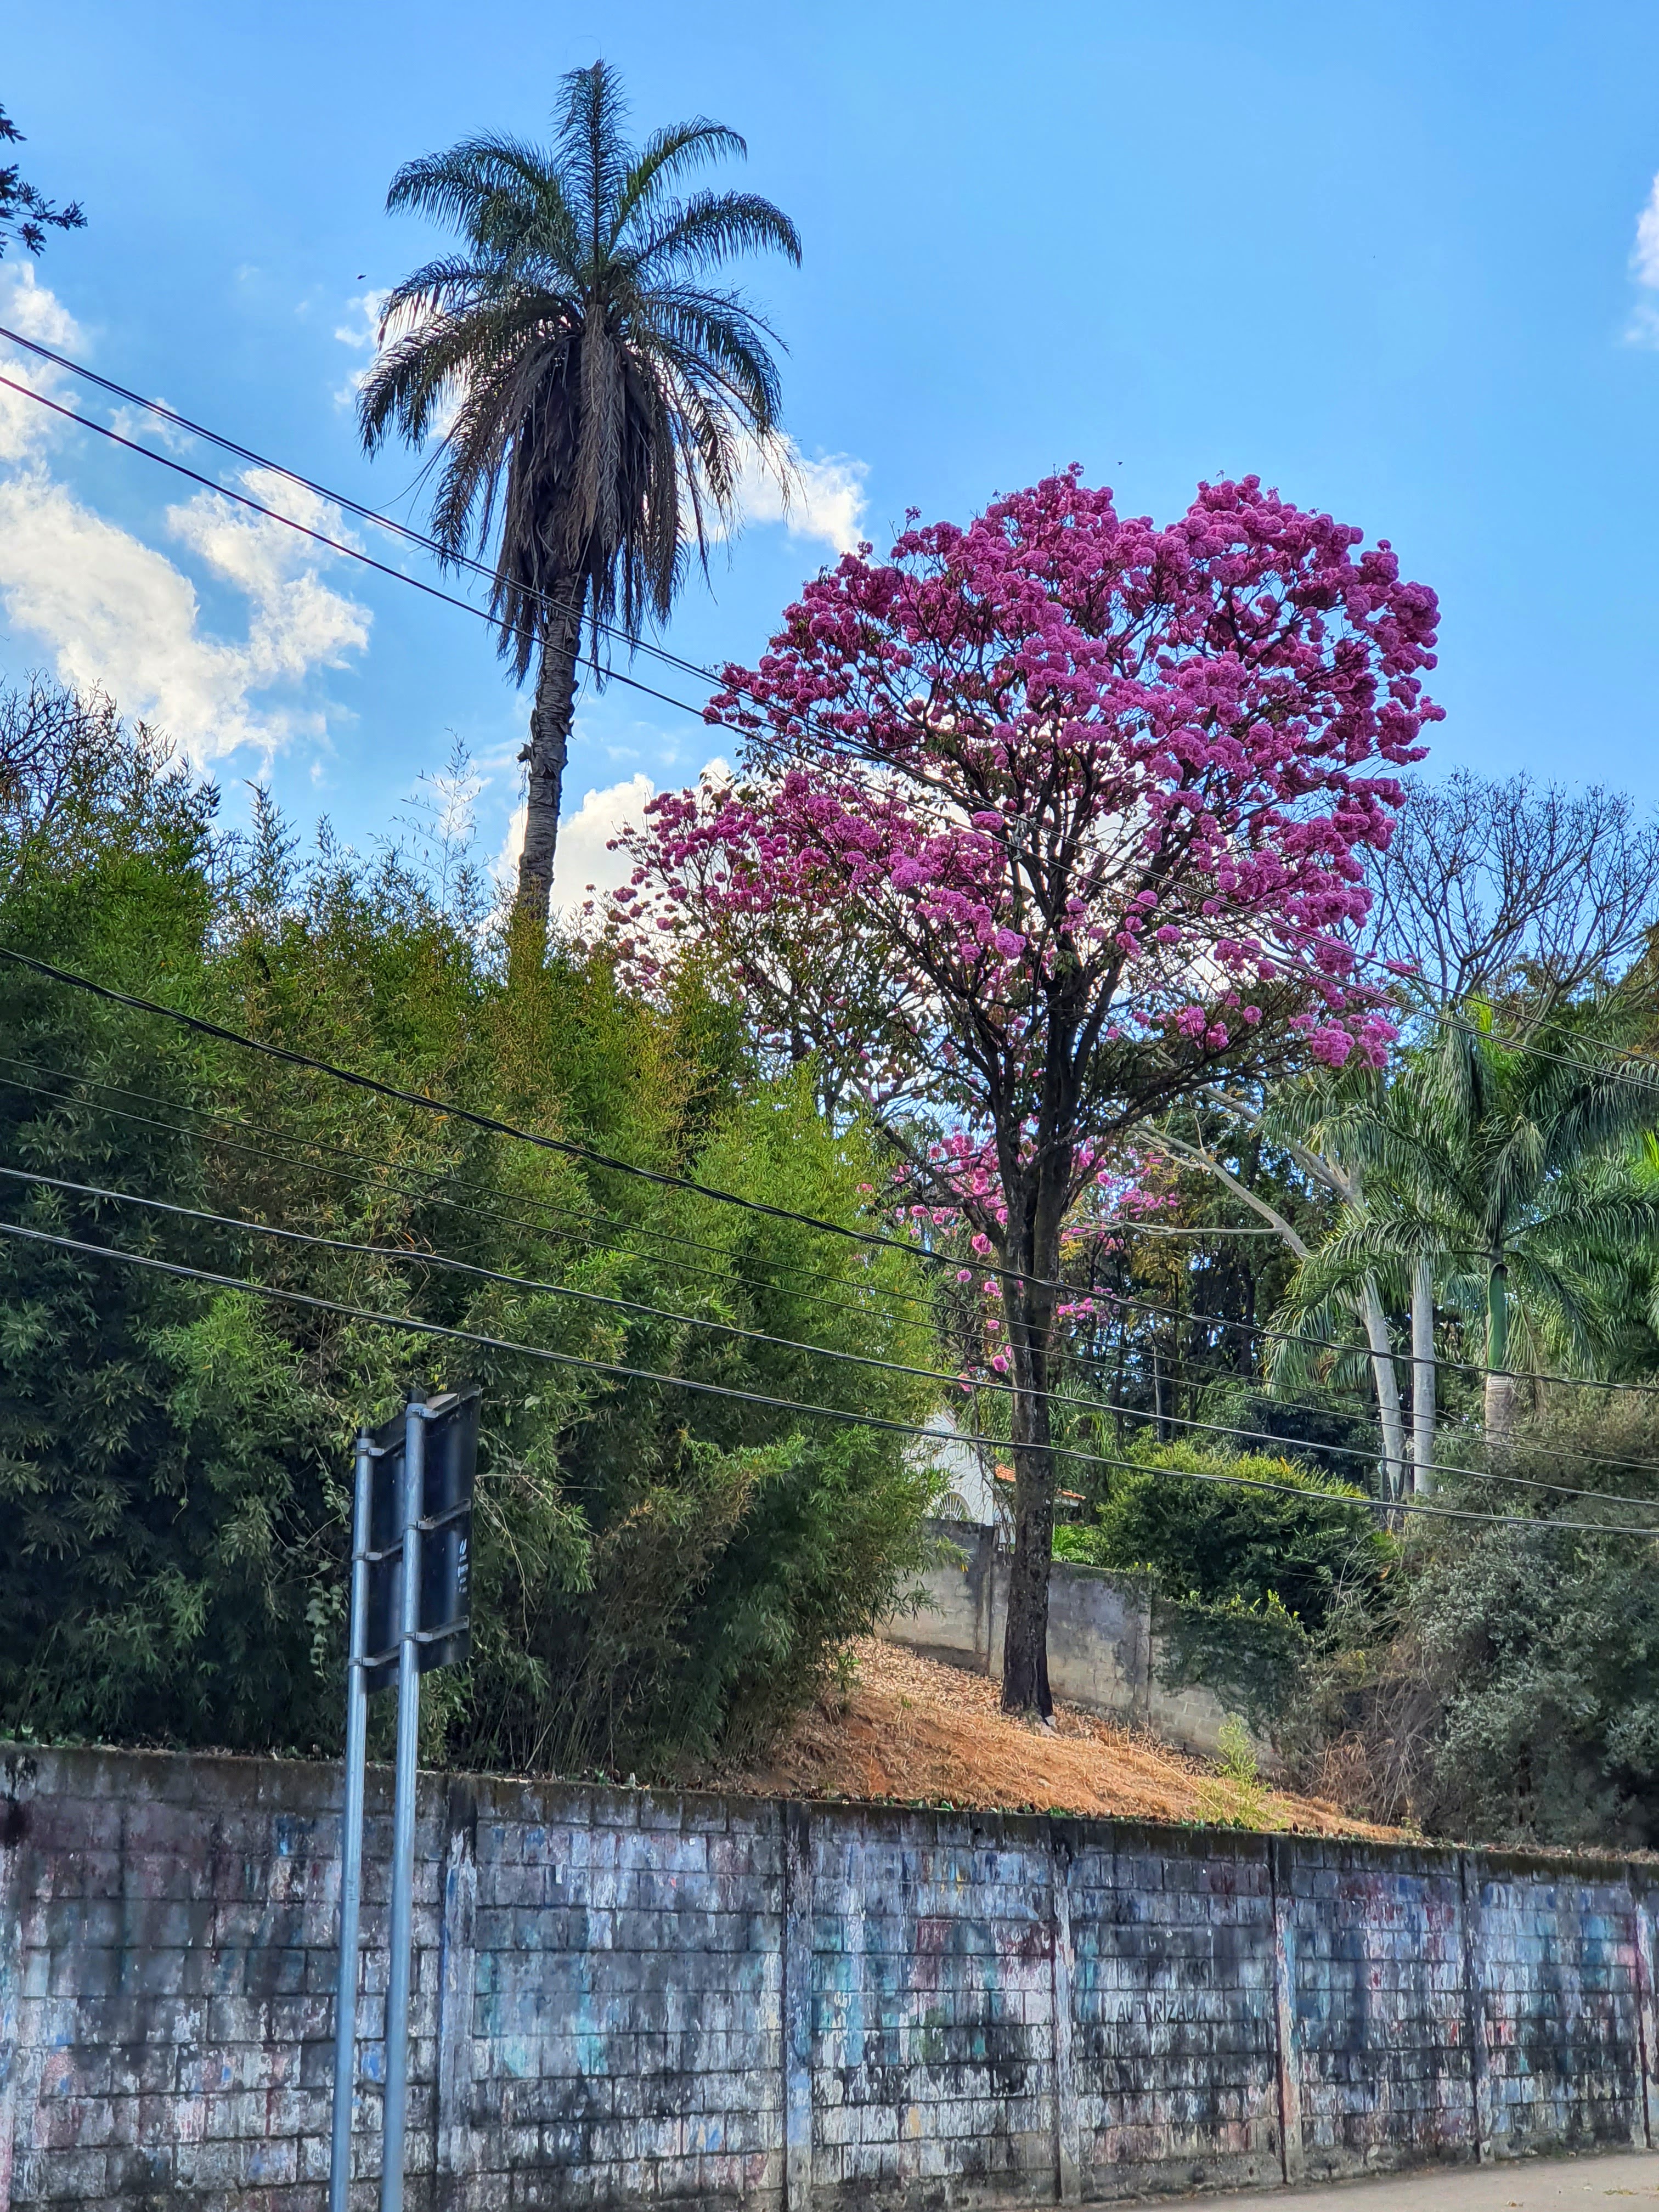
{"points": [[625, 1999], [1104, 1650]]}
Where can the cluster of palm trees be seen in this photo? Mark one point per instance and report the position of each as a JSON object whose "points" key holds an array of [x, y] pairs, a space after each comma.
{"points": [[1504, 1186]]}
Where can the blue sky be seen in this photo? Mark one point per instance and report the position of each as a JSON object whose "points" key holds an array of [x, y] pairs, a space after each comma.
{"points": [[1388, 260]]}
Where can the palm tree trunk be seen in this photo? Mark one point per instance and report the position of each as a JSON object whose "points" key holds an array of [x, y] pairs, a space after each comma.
{"points": [[1388, 1389], [545, 755], [1423, 1378], [1500, 1388]]}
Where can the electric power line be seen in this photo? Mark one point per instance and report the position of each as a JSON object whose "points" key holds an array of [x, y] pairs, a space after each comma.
{"points": [[492, 1125], [414, 536], [304, 530], [617, 1372], [363, 1162], [448, 557], [399, 1254]]}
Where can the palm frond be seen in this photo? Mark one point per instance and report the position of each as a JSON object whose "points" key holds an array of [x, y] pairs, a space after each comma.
{"points": [[452, 187], [715, 227], [666, 156], [594, 158]]}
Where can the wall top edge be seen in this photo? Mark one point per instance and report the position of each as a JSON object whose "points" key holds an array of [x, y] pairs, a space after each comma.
{"points": [[209, 1782]]}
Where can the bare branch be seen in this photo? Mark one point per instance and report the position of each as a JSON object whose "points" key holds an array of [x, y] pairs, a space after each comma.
{"points": [[1494, 890]]}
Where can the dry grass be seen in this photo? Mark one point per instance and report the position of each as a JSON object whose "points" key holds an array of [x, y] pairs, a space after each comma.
{"points": [[915, 1731]]}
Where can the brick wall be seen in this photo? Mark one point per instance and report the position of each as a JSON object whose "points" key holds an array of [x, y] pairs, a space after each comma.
{"points": [[625, 1999]]}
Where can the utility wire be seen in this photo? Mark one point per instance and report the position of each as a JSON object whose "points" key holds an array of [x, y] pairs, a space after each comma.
{"points": [[726, 681], [363, 1162], [583, 1236], [347, 506], [467, 606], [402, 1255], [406, 1254], [1177, 1368], [718, 679], [620, 1372], [492, 1125], [362, 1165], [304, 530]]}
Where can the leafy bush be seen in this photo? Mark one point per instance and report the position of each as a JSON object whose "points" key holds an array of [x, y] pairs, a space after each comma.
{"points": [[1205, 1527], [655, 1571], [1246, 1575], [1510, 1694], [1253, 1657]]}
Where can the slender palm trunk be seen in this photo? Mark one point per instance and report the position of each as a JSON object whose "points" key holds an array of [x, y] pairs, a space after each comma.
{"points": [[544, 757], [1500, 1388], [1388, 1389], [1423, 1378]]}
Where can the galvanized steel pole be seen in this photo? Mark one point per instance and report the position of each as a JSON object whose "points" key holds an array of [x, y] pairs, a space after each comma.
{"points": [[403, 1820], [351, 1839]]}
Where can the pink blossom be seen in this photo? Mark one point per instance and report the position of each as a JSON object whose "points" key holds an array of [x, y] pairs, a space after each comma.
{"points": [[1081, 804]]}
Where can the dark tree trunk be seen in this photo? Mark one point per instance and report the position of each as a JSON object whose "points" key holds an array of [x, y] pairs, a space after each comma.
{"points": [[544, 757], [1029, 1305], [1025, 1638]]}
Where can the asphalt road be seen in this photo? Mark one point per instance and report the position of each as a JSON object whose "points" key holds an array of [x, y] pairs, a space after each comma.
{"points": [[1564, 2185]]}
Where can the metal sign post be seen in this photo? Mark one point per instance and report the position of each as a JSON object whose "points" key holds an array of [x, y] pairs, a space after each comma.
{"points": [[411, 1593], [403, 1817], [351, 1843]]}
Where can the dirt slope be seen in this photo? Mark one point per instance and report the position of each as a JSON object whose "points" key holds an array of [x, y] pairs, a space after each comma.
{"points": [[914, 1730]]}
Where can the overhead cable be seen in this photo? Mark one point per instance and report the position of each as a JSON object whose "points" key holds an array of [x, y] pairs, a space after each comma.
{"points": [[619, 1371]]}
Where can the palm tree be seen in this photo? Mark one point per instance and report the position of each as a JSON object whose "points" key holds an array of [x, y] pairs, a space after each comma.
{"points": [[1510, 1174], [590, 389], [1310, 1122]]}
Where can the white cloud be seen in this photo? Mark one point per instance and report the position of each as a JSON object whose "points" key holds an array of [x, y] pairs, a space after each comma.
{"points": [[581, 863], [37, 312], [150, 429], [116, 613], [824, 499], [1644, 268], [361, 330], [28, 305]]}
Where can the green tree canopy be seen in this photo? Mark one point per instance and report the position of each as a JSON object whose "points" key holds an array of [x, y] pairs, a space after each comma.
{"points": [[1513, 1170], [656, 1573]]}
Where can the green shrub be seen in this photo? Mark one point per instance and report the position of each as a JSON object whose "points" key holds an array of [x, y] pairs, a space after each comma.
{"points": [[656, 1573], [1233, 1795], [1511, 1693], [1219, 1529]]}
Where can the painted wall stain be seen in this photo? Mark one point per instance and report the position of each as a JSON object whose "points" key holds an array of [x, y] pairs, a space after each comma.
{"points": [[611, 2027]]}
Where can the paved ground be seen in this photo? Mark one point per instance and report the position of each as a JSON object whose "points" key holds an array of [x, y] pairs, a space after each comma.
{"points": [[1564, 2185]]}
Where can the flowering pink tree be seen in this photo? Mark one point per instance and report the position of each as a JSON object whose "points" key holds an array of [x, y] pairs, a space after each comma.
{"points": [[1090, 798]]}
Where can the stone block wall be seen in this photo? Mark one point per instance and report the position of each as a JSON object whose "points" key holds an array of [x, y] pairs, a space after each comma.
{"points": [[1105, 1651], [623, 1999]]}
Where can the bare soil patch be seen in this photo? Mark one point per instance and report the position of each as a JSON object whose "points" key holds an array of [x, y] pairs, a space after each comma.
{"points": [[914, 1730]]}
